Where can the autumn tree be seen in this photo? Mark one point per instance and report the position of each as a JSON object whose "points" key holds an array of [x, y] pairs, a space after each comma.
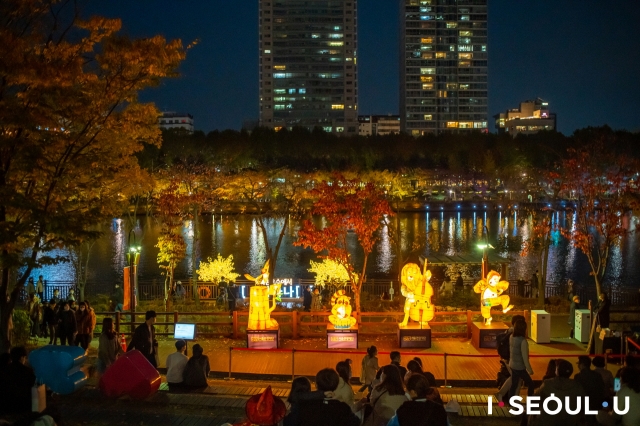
{"points": [[329, 272], [345, 206], [599, 180], [219, 270], [70, 124], [172, 249]]}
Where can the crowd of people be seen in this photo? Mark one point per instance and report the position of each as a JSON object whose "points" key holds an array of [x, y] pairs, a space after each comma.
{"points": [[62, 321]]}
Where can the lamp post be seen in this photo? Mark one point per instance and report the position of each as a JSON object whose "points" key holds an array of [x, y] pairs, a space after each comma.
{"points": [[133, 257], [485, 255]]}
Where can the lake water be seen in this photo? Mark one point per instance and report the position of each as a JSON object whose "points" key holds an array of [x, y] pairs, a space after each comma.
{"points": [[446, 233]]}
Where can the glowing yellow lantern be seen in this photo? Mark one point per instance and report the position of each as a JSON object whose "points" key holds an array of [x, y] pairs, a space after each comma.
{"points": [[491, 289], [260, 309], [341, 311], [418, 292]]}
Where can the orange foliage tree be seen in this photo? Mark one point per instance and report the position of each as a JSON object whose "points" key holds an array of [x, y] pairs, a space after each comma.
{"points": [[345, 206], [70, 124], [599, 180], [538, 243]]}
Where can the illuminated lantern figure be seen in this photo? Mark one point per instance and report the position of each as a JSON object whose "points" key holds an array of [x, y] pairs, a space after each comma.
{"points": [[418, 291], [262, 279], [341, 311], [259, 307], [491, 290]]}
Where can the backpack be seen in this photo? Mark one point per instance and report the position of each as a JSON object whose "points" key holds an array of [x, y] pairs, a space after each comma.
{"points": [[503, 345], [502, 376]]}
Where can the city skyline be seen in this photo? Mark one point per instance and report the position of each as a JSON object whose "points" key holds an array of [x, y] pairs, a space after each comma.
{"points": [[583, 60]]}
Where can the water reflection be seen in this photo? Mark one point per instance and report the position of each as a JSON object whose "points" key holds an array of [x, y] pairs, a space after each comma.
{"points": [[442, 232]]}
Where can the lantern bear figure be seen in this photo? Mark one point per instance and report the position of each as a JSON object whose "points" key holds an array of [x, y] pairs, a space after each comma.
{"points": [[341, 311], [418, 292], [491, 290], [263, 278]]}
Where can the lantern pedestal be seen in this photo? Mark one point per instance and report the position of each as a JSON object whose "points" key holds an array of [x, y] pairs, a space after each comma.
{"points": [[342, 338], [485, 336], [414, 336], [263, 339]]}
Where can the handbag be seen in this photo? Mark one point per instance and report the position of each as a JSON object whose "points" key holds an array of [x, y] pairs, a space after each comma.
{"points": [[38, 398]]}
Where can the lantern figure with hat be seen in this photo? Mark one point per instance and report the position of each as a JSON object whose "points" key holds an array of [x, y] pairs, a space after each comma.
{"points": [[491, 289], [341, 311]]}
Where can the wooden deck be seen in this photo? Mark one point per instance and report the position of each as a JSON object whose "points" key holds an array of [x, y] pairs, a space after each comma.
{"points": [[464, 362]]}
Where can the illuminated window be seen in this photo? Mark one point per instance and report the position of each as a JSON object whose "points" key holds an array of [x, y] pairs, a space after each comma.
{"points": [[315, 35], [465, 55], [279, 75], [292, 91], [335, 35], [452, 25], [339, 129], [427, 55], [464, 63], [465, 125], [327, 129], [463, 48], [464, 87], [427, 71], [427, 86], [466, 33], [464, 17], [278, 107], [452, 124], [279, 91], [426, 79], [426, 40], [480, 125], [426, 17], [267, 51], [451, 86], [464, 40], [428, 117], [280, 67], [441, 55], [484, 48], [302, 91], [337, 106], [280, 99], [336, 43], [442, 93]]}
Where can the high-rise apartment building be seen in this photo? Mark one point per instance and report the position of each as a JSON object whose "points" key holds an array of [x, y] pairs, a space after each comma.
{"points": [[308, 70], [443, 66]]}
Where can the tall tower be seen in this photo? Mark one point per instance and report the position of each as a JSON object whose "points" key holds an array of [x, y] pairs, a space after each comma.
{"points": [[308, 70], [443, 66]]}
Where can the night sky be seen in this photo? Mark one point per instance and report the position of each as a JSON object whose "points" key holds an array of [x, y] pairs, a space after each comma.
{"points": [[581, 56]]}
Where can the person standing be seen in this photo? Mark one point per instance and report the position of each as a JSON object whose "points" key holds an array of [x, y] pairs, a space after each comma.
{"points": [[233, 296], [534, 284], [31, 288], [118, 298], [603, 310], [144, 339], [306, 299], [49, 321], [175, 365], [17, 380], [570, 289], [575, 304], [83, 319], [56, 296], [459, 283], [369, 368], [67, 325], [94, 321], [316, 300], [40, 287], [519, 361], [197, 369], [108, 346], [504, 350]]}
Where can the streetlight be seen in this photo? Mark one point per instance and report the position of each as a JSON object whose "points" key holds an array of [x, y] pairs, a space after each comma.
{"points": [[485, 255], [133, 258]]}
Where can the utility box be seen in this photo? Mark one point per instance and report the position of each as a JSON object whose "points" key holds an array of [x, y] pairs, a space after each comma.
{"points": [[541, 326], [583, 325]]}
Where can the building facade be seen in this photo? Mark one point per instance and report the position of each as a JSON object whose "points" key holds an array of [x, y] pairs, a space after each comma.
{"points": [[531, 117], [176, 120], [443, 66], [308, 65], [378, 125]]}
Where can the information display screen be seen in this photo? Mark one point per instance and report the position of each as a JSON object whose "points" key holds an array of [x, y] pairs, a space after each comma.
{"points": [[185, 331]]}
